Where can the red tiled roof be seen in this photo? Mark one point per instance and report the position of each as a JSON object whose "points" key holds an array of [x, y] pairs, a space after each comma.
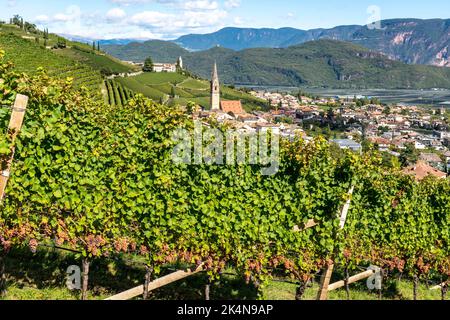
{"points": [[430, 157], [421, 170], [379, 140], [232, 106]]}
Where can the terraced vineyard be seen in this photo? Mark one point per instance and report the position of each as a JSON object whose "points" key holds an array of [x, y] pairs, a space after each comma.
{"points": [[117, 94], [105, 64], [175, 88], [88, 68], [51, 41], [29, 56]]}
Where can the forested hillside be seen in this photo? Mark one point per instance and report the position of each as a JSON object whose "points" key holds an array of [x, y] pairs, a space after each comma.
{"points": [[324, 63], [413, 41]]}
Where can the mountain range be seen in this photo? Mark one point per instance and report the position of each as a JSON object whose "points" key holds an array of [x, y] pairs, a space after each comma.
{"points": [[102, 42], [321, 63], [412, 41], [345, 56]]}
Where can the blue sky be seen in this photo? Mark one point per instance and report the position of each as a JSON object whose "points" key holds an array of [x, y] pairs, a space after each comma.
{"points": [[168, 19]]}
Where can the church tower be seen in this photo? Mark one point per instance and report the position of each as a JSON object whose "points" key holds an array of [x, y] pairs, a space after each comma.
{"points": [[215, 90]]}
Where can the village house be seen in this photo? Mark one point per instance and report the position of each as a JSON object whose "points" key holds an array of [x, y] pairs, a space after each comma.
{"points": [[168, 67], [348, 144], [233, 107], [164, 67], [433, 160], [421, 170]]}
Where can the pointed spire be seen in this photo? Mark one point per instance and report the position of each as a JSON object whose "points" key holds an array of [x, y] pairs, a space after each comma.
{"points": [[215, 89], [215, 73]]}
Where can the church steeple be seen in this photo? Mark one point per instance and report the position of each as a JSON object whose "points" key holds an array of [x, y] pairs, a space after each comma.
{"points": [[215, 89]]}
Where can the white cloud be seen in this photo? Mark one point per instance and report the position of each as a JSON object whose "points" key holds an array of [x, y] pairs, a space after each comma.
{"points": [[152, 18], [238, 21], [128, 2], [72, 14], [201, 5], [232, 3], [12, 3], [115, 14], [132, 2], [195, 19], [179, 18], [41, 18], [171, 23]]}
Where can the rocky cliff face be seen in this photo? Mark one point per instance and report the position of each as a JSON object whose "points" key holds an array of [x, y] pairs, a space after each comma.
{"points": [[411, 41]]}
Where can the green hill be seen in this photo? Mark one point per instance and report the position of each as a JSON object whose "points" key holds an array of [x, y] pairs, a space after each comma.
{"points": [[174, 88], [30, 51], [323, 63], [107, 65], [89, 67], [160, 51], [28, 56]]}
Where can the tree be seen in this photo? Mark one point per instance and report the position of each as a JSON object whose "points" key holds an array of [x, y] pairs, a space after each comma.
{"points": [[383, 129], [409, 155], [61, 44], [278, 107], [191, 107], [30, 27], [17, 20], [148, 65], [98, 46], [93, 46], [330, 114]]}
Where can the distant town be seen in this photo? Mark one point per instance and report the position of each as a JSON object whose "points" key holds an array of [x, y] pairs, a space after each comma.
{"points": [[417, 136]]}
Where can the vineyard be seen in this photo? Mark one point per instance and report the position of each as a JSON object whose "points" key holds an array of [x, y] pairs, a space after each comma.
{"points": [[105, 64], [117, 94], [28, 56], [52, 39], [99, 179], [180, 89]]}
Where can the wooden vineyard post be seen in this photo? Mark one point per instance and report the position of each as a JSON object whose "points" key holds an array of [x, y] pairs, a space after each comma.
{"points": [[326, 275], [158, 283], [84, 288], [15, 125], [325, 282], [147, 280]]}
